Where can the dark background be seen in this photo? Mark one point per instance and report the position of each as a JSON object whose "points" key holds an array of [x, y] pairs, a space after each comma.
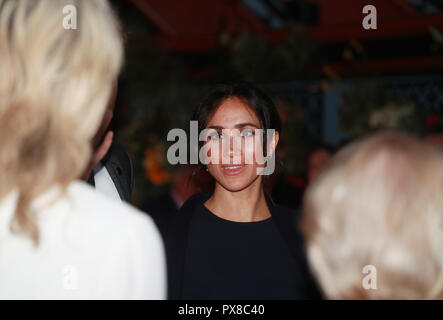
{"points": [[332, 80]]}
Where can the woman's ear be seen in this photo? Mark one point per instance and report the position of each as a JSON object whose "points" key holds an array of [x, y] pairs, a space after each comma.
{"points": [[270, 155], [273, 144], [277, 136]]}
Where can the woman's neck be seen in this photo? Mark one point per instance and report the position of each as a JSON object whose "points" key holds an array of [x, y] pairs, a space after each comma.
{"points": [[247, 205]]}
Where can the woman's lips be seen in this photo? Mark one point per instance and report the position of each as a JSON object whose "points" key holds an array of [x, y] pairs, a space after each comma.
{"points": [[232, 170]]}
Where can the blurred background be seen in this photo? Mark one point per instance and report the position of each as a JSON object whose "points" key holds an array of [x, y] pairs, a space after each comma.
{"points": [[332, 80]]}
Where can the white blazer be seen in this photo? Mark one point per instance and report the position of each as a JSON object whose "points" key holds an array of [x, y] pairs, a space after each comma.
{"points": [[91, 247]]}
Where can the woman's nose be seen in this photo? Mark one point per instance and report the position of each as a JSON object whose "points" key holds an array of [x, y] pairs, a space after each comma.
{"points": [[232, 148]]}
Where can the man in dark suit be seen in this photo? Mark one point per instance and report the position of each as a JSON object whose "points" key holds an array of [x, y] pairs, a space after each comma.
{"points": [[110, 170], [113, 175]]}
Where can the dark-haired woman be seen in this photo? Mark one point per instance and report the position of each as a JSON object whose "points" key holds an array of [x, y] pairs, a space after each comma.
{"points": [[235, 243]]}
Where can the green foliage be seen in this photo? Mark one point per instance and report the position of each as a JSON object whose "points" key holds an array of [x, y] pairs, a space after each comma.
{"points": [[255, 59]]}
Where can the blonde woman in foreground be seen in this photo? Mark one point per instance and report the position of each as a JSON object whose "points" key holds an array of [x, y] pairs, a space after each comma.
{"points": [[376, 214], [58, 238]]}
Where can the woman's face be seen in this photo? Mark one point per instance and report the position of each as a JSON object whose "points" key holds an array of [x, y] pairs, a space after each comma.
{"points": [[235, 150]]}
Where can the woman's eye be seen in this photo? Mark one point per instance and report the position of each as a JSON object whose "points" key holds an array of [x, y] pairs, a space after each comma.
{"points": [[247, 133], [215, 135]]}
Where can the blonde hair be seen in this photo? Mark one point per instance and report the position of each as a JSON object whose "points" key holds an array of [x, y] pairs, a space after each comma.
{"points": [[378, 203], [54, 87]]}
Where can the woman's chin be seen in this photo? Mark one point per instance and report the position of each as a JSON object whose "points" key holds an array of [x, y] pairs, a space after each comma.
{"points": [[235, 188], [236, 185]]}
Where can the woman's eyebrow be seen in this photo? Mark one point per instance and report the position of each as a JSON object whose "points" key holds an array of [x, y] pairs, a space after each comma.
{"points": [[215, 127], [246, 124], [239, 125]]}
